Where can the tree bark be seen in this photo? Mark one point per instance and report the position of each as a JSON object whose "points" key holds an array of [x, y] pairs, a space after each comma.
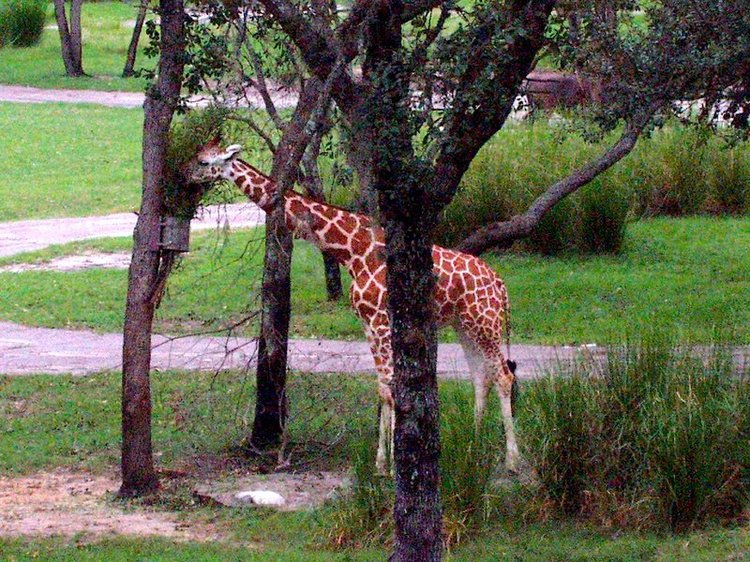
{"points": [[138, 475], [502, 234], [411, 284], [402, 184], [73, 64], [271, 401], [76, 42], [128, 71]]}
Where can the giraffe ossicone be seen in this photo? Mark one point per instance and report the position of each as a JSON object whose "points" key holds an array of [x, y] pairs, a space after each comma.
{"points": [[469, 295]]}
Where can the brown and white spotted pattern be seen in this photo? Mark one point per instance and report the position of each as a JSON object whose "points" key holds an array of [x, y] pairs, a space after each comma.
{"points": [[470, 296]]}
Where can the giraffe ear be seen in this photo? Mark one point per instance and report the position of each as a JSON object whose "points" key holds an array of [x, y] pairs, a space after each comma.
{"points": [[230, 152]]}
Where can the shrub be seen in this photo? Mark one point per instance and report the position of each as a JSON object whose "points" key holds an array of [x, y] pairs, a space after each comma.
{"points": [[660, 439], [560, 434], [678, 170], [21, 22], [555, 232], [672, 174], [603, 217], [729, 181]]}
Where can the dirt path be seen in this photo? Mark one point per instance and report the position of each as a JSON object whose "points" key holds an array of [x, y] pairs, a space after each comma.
{"points": [[29, 235], [75, 503], [27, 94], [26, 350]]}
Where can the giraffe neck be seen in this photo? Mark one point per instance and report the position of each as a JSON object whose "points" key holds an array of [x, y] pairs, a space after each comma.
{"points": [[347, 236]]}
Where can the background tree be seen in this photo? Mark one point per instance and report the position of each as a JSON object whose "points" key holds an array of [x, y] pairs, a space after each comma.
{"points": [[70, 36], [128, 70]]}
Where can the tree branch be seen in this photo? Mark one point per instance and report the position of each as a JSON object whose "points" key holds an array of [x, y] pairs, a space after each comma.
{"points": [[502, 234], [318, 51], [480, 110]]}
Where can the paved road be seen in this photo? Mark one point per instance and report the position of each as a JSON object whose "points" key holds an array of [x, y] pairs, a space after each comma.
{"points": [[29, 235], [25, 350]]}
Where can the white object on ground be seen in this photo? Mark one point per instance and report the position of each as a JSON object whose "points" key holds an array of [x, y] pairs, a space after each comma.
{"points": [[260, 497]]}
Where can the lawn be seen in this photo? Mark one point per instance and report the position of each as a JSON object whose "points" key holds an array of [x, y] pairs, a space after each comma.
{"points": [[691, 275], [106, 36], [73, 423], [68, 160]]}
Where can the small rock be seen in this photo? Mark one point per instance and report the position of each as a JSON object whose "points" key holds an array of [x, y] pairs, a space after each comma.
{"points": [[260, 497]]}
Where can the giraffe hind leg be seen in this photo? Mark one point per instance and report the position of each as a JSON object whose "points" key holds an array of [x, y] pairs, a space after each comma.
{"points": [[479, 378]]}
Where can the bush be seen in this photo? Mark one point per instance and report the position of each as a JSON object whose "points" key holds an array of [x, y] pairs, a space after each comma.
{"points": [[729, 181], [671, 166], [21, 22], [661, 439], [603, 215]]}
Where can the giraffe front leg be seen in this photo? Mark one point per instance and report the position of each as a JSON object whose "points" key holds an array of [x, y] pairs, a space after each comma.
{"points": [[380, 345]]}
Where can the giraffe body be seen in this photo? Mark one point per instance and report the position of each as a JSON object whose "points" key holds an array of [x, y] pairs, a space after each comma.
{"points": [[469, 294]]}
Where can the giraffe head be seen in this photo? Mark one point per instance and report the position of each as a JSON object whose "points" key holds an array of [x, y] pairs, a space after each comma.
{"points": [[211, 162]]}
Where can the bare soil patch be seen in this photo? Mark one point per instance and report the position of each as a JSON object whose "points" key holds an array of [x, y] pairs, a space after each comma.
{"points": [[86, 260], [300, 490], [75, 503]]}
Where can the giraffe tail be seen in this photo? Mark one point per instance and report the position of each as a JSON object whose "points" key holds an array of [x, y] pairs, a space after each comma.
{"points": [[506, 325]]}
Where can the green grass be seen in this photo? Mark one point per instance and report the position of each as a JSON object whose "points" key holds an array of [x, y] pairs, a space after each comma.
{"points": [[73, 422], [105, 44], [691, 275], [534, 543], [68, 421], [68, 160]]}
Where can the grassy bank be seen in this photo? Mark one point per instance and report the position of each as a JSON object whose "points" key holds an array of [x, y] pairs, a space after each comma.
{"points": [[107, 29], [68, 160]]}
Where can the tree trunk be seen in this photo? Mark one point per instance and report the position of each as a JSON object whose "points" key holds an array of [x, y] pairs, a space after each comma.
{"points": [[271, 400], [65, 39], [138, 475], [76, 42], [411, 285], [314, 188], [133, 47], [402, 183]]}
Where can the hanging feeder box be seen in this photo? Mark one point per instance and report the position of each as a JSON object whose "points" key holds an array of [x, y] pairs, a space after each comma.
{"points": [[174, 234]]}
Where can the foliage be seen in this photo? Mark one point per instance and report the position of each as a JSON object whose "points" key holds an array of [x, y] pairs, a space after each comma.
{"points": [[659, 439], [190, 132], [21, 22], [676, 171]]}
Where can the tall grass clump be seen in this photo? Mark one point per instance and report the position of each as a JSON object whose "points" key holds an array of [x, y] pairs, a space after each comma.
{"points": [[729, 180], [658, 439], [468, 464], [673, 175], [21, 22], [602, 218]]}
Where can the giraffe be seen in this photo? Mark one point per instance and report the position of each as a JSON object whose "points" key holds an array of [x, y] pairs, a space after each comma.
{"points": [[469, 294]]}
